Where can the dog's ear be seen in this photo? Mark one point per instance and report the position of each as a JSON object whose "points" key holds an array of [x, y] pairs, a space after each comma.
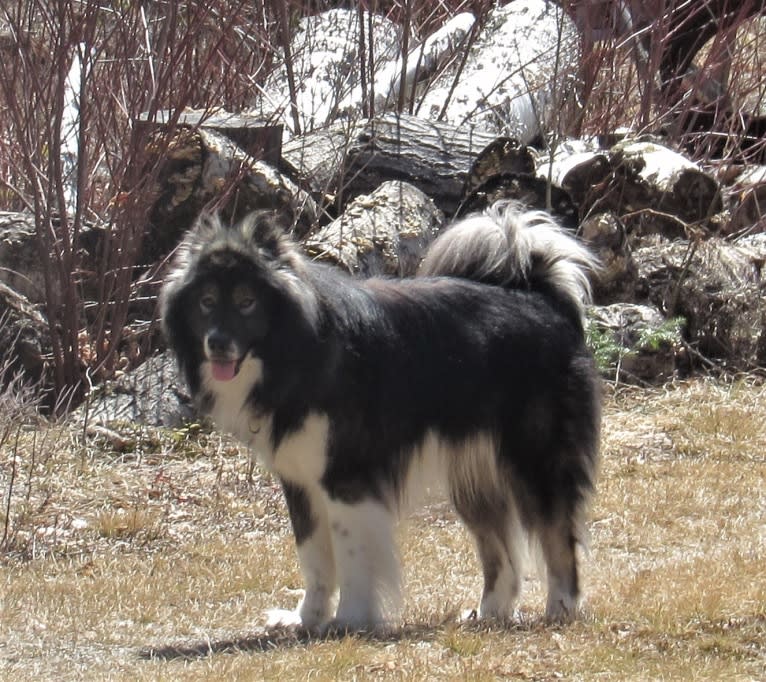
{"points": [[207, 226], [268, 231], [206, 229]]}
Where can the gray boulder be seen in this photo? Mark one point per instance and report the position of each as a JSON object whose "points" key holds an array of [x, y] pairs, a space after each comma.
{"points": [[382, 233]]}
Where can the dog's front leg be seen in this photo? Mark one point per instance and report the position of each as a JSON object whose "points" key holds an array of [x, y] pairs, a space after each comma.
{"points": [[308, 515], [367, 564]]}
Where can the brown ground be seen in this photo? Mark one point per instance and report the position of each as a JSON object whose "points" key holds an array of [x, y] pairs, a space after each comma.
{"points": [[154, 559]]}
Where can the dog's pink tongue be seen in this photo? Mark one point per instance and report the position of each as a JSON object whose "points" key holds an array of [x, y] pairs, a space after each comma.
{"points": [[223, 371]]}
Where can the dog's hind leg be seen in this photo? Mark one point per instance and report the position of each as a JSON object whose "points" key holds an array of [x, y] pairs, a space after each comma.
{"points": [[308, 515], [496, 533], [367, 563], [558, 540]]}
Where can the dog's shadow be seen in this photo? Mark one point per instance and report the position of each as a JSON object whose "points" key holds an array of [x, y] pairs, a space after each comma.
{"points": [[270, 639], [265, 640]]}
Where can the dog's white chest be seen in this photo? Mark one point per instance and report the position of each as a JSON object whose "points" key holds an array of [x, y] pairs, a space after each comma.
{"points": [[230, 409], [300, 456]]}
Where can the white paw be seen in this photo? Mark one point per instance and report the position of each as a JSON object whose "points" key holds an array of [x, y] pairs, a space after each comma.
{"points": [[468, 616], [283, 618]]}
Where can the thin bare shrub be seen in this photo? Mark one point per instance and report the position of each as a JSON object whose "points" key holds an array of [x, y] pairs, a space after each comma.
{"points": [[19, 413], [668, 65], [136, 59]]}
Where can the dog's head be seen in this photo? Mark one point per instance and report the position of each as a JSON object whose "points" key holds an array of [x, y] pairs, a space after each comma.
{"points": [[228, 291], [226, 315]]}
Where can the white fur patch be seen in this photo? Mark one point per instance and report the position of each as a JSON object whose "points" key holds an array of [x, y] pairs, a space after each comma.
{"points": [[506, 243], [426, 476], [562, 602], [367, 564], [316, 557], [230, 411], [437, 465], [283, 618], [301, 456]]}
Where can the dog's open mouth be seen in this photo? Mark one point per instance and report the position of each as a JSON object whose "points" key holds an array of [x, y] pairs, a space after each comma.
{"points": [[224, 370]]}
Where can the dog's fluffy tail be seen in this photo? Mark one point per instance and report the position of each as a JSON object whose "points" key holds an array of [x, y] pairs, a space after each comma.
{"points": [[510, 246]]}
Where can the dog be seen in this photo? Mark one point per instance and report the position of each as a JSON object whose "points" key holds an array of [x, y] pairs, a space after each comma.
{"points": [[358, 394]]}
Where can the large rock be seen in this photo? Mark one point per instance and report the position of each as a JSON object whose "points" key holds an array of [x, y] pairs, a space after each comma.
{"points": [[634, 343], [717, 288], [24, 343], [383, 233], [420, 67], [152, 394], [511, 82]]}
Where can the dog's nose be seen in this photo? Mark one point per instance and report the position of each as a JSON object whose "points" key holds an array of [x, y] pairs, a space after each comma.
{"points": [[217, 342]]}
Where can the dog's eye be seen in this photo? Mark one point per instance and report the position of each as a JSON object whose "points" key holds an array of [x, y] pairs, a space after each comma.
{"points": [[207, 303], [246, 306]]}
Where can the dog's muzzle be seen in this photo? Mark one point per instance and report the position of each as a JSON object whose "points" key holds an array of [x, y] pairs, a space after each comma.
{"points": [[224, 356]]}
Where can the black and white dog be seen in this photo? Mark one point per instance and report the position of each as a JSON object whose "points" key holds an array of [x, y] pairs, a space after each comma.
{"points": [[358, 394]]}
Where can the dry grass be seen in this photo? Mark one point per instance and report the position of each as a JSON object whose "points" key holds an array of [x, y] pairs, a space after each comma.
{"points": [[157, 562]]}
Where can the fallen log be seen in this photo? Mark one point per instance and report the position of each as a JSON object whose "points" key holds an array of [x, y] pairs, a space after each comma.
{"points": [[347, 159], [652, 188], [200, 168]]}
